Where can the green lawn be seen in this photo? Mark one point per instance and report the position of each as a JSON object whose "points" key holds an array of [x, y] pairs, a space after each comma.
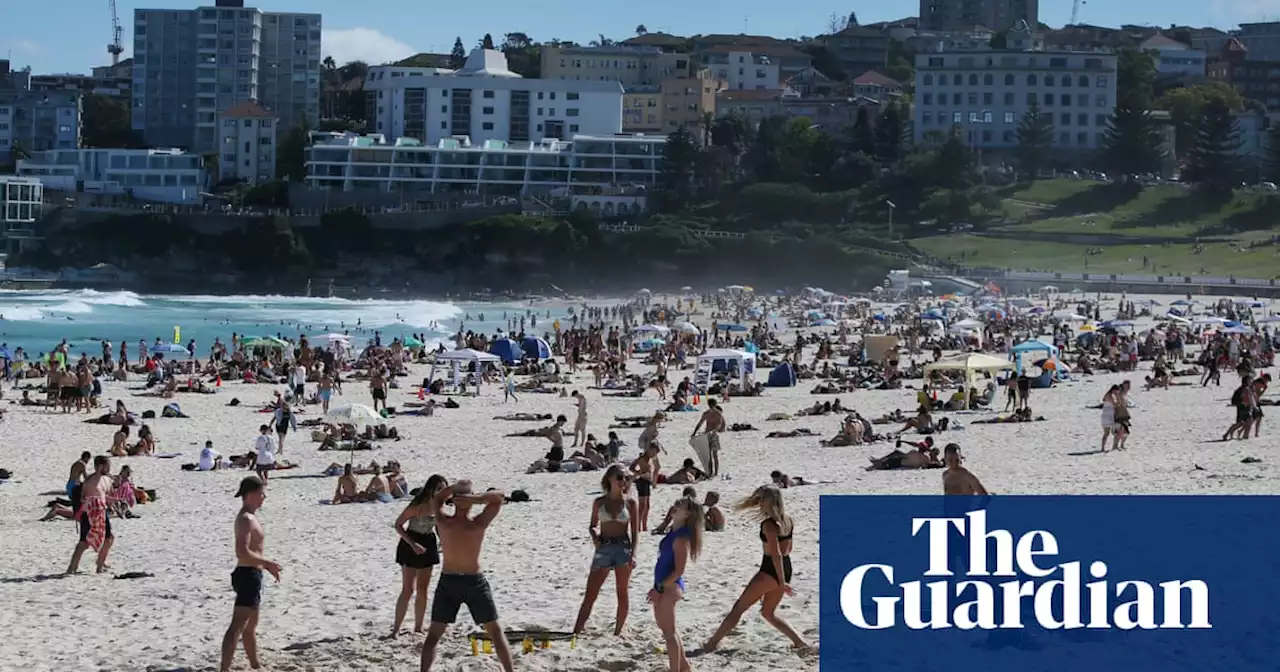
{"points": [[1084, 207]]}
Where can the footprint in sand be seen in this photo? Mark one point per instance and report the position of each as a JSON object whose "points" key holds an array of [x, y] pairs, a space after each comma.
{"points": [[617, 665]]}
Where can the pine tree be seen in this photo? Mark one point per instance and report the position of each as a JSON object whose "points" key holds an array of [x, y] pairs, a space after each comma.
{"points": [[861, 138], [953, 164], [675, 182], [892, 133], [486, 42], [1133, 144], [1211, 164], [1035, 137], [457, 57]]}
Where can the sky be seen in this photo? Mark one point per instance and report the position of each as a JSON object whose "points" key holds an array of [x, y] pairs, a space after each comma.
{"points": [[58, 36]]}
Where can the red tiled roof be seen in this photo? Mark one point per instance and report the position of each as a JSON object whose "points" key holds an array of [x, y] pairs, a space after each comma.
{"points": [[249, 109], [873, 77]]}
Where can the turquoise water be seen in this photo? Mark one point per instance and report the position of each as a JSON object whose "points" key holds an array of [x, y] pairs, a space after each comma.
{"points": [[39, 320]]}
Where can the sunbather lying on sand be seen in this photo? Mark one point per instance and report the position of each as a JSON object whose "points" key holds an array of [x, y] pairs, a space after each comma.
{"points": [[925, 456], [687, 473], [1023, 415], [789, 435], [523, 417]]}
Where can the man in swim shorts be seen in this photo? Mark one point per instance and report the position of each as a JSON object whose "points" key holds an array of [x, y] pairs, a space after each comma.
{"points": [[78, 469], [89, 510], [461, 579], [246, 579]]}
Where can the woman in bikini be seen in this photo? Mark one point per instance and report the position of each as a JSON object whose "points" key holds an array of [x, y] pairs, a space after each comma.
{"points": [[646, 469], [681, 545], [417, 553], [772, 581], [618, 519]]}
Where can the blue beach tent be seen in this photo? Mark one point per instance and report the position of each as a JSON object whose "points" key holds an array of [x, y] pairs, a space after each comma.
{"points": [[507, 349]]}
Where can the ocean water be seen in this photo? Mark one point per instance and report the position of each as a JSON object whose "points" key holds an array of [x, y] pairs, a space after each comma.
{"points": [[39, 320]]}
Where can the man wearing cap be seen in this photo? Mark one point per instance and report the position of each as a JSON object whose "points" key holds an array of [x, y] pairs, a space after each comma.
{"points": [[461, 579], [246, 580]]}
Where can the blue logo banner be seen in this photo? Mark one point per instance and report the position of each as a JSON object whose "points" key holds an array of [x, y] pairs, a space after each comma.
{"points": [[1050, 584]]}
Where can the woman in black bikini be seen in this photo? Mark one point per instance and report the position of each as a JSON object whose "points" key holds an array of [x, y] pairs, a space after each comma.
{"points": [[618, 519], [417, 553], [773, 580]]}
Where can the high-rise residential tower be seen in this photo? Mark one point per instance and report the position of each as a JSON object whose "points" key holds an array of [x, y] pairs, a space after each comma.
{"points": [[191, 65]]}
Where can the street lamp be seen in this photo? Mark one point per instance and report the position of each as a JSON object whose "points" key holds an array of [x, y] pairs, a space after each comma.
{"points": [[891, 205]]}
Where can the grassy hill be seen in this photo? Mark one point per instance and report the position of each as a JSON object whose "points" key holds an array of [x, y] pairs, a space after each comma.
{"points": [[1084, 226]]}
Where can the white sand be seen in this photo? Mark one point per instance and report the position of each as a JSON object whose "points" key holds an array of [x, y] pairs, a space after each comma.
{"points": [[340, 581]]}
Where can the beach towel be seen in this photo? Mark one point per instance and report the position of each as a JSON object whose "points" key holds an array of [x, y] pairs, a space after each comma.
{"points": [[95, 508], [167, 456], [172, 410], [701, 445]]}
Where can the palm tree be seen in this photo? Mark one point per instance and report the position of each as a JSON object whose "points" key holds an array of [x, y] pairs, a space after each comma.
{"points": [[641, 30]]}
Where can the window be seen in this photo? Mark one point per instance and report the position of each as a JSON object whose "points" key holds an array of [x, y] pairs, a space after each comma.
{"points": [[1083, 82], [955, 98], [1082, 120], [1064, 119], [1065, 100], [571, 112], [986, 117], [444, 109], [1082, 100], [487, 94], [553, 97], [248, 123], [926, 118], [229, 123], [1008, 80], [1008, 99], [573, 128], [1048, 100], [539, 111], [265, 123], [540, 93], [444, 125], [986, 136], [988, 80], [1066, 81], [1082, 139], [1048, 80], [1101, 81], [488, 126], [1031, 80], [264, 141], [1031, 98], [1008, 117], [551, 111], [1101, 101], [973, 99], [928, 99], [987, 98], [572, 95], [973, 80], [486, 110], [957, 117], [1064, 137], [1099, 120], [973, 117], [942, 80], [928, 80]]}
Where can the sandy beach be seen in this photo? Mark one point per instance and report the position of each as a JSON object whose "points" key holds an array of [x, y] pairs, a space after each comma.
{"points": [[336, 598]]}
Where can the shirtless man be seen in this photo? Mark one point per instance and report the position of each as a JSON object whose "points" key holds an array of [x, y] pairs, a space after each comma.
{"points": [[90, 512], [246, 580], [378, 388], [345, 493], [580, 425], [78, 470], [461, 580], [378, 489], [119, 442], [957, 480], [555, 434], [713, 418]]}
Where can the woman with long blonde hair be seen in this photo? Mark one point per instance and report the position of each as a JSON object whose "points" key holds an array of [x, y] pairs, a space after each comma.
{"points": [[681, 545], [773, 580], [616, 516]]}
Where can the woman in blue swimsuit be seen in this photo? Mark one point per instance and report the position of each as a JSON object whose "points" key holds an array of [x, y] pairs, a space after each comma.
{"points": [[682, 544], [772, 581]]}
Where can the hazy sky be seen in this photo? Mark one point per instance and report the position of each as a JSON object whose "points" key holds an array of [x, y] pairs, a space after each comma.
{"points": [[72, 35]]}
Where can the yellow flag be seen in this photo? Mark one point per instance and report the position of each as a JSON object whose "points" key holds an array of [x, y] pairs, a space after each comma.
{"points": [[177, 334]]}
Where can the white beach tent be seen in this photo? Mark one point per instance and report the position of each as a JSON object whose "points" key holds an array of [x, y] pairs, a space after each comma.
{"points": [[970, 363], [457, 358], [715, 358]]}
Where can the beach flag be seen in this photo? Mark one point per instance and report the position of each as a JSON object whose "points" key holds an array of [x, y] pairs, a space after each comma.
{"points": [[218, 382], [177, 334], [422, 393]]}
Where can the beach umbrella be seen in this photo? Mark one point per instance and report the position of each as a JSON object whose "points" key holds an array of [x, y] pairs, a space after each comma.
{"points": [[411, 342], [1088, 327], [329, 339], [1270, 319], [170, 349], [1181, 302], [1037, 310], [265, 342], [356, 415], [732, 327], [686, 327], [1218, 321], [969, 324], [650, 343], [826, 323], [650, 329], [1238, 329]]}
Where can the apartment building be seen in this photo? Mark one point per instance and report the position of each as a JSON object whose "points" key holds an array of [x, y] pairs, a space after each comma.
{"points": [[1173, 58], [247, 146], [629, 66], [1253, 77], [782, 53], [743, 69], [585, 163], [687, 101], [191, 64], [21, 204], [1262, 39], [486, 101], [157, 175], [110, 83], [960, 15], [642, 109], [985, 94], [35, 120], [858, 49]]}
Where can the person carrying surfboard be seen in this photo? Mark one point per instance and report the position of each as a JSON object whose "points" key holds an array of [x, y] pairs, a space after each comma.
{"points": [[713, 419]]}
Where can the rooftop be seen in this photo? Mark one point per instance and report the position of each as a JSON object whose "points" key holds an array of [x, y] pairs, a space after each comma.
{"points": [[872, 78], [249, 109]]}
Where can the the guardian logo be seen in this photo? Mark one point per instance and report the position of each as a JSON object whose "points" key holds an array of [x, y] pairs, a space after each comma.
{"points": [[1053, 592]]}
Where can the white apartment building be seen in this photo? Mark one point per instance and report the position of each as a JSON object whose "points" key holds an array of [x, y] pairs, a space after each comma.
{"points": [[247, 143], [157, 175], [743, 69], [586, 163], [21, 199], [985, 93], [486, 101], [191, 64], [1174, 58]]}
